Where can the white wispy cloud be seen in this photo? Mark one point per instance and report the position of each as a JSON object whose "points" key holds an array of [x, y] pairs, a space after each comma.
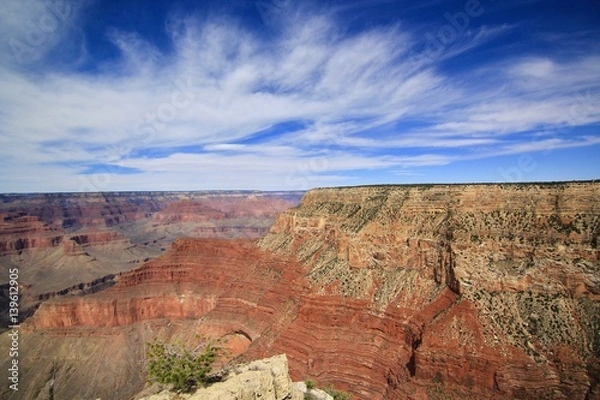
{"points": [[369, 100], [33, 29], [529, 94]]}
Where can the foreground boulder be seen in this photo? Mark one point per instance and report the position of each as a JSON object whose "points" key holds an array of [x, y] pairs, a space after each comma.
{"points": [[266, 379]]}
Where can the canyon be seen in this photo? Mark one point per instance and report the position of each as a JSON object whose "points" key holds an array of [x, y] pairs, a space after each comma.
{"points": [[64, 242], [482, 291]]}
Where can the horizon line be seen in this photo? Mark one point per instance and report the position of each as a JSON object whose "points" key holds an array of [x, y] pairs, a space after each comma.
{"points": [[258, 191]]}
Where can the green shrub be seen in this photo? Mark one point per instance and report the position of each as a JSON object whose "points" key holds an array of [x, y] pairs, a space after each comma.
{"points": [[337, 394], [181, 368]]}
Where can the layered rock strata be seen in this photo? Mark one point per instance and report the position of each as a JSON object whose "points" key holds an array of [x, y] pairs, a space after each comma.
{"points": [[195, 277], [20, 232], [223, 289], [58, 241], [390, 292], [72, 211], [497, 284]]}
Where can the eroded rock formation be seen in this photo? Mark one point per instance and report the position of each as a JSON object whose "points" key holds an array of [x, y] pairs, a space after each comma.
{"points": [[195, 277], [64, 240], [72, 211], [495, 282], [19, 232], [226, 289], [388, 292]]}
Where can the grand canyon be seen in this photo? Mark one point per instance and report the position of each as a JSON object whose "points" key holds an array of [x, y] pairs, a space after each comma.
{"points": [[466, 291]]}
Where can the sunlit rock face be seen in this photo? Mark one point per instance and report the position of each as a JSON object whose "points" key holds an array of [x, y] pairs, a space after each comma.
{"points": [[493, 289], [266, 379], [387, 292]]}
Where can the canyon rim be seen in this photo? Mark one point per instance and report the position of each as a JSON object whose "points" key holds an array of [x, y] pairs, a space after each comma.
{"points": [[292, 195], [483, 291]]}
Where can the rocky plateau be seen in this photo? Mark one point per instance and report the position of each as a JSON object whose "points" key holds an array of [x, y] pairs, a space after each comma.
{"points": [[483, 291]]}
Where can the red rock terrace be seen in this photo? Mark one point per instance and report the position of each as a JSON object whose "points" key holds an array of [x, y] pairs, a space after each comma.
{"points": [[387, 292]]}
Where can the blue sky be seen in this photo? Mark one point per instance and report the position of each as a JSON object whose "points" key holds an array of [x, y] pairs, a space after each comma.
{"points": [[102, 95]]}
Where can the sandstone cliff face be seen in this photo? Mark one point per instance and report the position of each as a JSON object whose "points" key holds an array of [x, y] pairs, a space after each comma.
{"points": [[20, 232], [518, 266], [223, 289], [194, 277], [498, 234], [399, 292]]}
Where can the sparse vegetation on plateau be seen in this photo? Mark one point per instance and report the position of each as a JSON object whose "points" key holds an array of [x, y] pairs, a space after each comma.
{"points": [[338, 394], [330, 390], [181, 369]]}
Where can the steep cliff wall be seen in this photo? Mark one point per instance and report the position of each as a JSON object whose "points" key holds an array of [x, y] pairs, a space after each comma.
{"points": [[195, 277], [390, 292], [491, 236], [520, 261]]}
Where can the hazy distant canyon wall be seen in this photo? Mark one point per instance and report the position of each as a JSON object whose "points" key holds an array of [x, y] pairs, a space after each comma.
{"points": [[65, 240]]}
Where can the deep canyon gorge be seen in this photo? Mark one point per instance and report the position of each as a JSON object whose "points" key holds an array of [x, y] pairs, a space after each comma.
{"points": [[481, 291]]}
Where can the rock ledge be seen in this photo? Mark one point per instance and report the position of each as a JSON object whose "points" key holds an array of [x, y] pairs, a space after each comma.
{"points": [[267, 379]]}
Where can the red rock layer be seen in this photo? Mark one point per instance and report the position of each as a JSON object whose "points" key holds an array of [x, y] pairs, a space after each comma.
{"points": [[22, 232], [195, 278], [520, 260], [453, 292], [91, 238]]}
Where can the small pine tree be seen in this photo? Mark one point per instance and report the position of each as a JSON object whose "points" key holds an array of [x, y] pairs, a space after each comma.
{"points": [[183, 369]]}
